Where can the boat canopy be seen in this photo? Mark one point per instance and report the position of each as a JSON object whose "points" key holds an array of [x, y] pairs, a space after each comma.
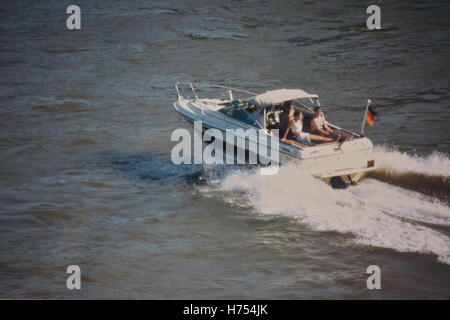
{"points": [[278, 96]]}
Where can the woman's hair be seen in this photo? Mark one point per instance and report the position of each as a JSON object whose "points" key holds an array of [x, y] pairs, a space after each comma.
{"points": [[297, 113]]}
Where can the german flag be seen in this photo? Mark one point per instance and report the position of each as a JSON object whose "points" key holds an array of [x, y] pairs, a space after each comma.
{"points": [[371, 116]]}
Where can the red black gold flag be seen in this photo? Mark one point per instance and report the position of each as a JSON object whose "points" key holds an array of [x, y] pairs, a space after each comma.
{"points": [[371, 116]]}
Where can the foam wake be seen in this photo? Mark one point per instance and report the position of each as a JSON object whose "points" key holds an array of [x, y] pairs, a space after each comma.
{"points": [[429, 175], [389, 159], [376, 213]]}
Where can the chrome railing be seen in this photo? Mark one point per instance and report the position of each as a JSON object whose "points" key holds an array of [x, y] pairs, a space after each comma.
{"points": [[200, 85]]}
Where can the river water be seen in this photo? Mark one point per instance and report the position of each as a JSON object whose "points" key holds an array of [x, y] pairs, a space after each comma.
{"points": [[86, 177]]}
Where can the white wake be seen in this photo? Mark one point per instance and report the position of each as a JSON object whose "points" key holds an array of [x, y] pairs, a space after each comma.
{"points": [[376, 213]]}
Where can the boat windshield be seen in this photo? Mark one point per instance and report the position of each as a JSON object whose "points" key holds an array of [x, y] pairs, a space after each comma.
{"points": [[235, 110]]}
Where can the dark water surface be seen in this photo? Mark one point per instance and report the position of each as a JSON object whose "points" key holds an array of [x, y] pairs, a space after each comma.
{"points": [[86, 176]]}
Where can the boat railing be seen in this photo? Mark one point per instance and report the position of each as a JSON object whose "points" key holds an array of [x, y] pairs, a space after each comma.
{"points": [[194, 86], [231, 96]]}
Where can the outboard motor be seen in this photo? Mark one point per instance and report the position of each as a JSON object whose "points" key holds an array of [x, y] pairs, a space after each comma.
{"points": [[338, 183]]}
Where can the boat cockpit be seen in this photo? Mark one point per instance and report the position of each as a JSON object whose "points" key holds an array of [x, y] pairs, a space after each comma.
{"points": [[271, 115]]}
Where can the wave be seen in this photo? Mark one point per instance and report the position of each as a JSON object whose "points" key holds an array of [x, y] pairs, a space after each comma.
{"points": [[213, 35], [429, 175], [390, 159], [152, 167], [373, 212]]}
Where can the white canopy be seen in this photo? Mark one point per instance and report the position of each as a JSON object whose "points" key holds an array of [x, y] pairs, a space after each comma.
{"points": [[280, 95]]}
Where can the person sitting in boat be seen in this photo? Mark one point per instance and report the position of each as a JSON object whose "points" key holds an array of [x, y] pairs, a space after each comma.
{"points": [[286, 117], [319, 125], [296, 129]]}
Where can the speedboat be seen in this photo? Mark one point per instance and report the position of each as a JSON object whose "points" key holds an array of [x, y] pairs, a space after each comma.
{"points": [[344, 161]]}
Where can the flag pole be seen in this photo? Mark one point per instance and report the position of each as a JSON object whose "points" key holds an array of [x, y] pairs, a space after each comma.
{"points": [[365, 114]]}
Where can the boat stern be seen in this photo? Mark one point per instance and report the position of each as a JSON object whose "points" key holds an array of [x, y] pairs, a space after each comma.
{"points": [[349, 160]]}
